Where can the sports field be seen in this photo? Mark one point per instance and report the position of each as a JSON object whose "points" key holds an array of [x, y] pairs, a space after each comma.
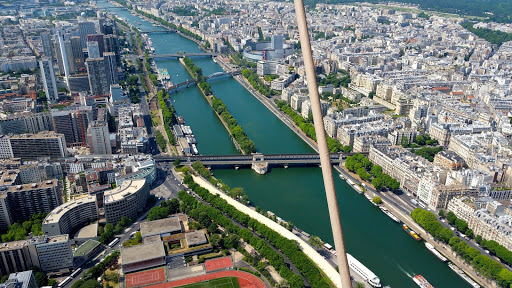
{"points": [[145, 278], [227, 282]]}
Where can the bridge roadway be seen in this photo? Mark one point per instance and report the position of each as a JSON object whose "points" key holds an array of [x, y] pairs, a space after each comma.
{"points": [[175, 87], [244, 160], [176, 55]]}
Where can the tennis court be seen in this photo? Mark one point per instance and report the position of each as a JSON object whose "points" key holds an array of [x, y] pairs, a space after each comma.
{"points": [[145, 278], [218, 264]]}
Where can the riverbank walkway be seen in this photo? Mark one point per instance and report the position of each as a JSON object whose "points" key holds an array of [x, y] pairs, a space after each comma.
{"points": [[320, 261]]}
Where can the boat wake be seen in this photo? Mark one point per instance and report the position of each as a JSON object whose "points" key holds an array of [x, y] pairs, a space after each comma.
{"points": [[410, 275]]}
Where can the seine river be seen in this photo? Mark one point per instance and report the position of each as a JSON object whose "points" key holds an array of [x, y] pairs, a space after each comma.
{"points": [[294, 194]]}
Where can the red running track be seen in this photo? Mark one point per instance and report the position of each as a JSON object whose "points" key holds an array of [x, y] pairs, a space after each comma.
{"points": [[246, 280]]}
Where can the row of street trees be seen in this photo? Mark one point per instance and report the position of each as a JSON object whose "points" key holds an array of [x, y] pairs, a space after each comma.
{"points": [[308, 128], [365, 169], [483, 264], [288, 247]]}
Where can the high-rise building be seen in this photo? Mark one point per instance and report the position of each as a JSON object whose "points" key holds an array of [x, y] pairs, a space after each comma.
{"points": [[101, 43], [109, 28], [55, 253], [85, 28], [49, 254], [24, 279], [93, 49], [72, 124], [100, 74], [20, 123], [78, 54], [48, 78], [112, 45], [276, 42], [98, 138], [70, 58], [20, 202], [110, 59], [46, 40], [63, 57], [42, 144]]}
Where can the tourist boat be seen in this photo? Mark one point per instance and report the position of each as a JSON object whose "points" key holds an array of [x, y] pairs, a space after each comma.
{"points": [[422, 282], [435, 252], [194, 149], [363, 271], [180, 120], [411, 232], [463, 275], [390, 215]]}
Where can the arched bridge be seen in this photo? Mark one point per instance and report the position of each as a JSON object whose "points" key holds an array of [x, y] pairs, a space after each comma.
{"points": [[213, 76]]}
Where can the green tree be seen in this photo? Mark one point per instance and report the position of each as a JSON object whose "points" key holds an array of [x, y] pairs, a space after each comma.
{"points": [[215, 240], [441, 213], [377, 200], [450, 216], [316, 242]]}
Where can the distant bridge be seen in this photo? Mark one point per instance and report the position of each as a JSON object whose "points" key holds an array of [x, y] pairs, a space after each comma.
{"points": [[183, 55], [188, 83], [159, 31], [248, 160]]}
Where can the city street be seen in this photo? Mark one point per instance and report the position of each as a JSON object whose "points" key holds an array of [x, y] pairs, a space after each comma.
{"points": [[168, 188]]}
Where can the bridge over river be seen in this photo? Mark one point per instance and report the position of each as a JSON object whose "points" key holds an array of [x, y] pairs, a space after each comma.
{"points": [[259, 162], [217, 75]]}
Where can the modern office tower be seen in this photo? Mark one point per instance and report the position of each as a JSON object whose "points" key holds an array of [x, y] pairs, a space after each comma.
{"points": [[58, 56], [24, 279], [128, 199], [64, 57], [79, 83], [110, 59], [93, 49], [42, 144], [69, 55], [72, 124], [112, 45], [5, 148], [100, 74], [277, 42], [20, 202], [46, 40], [48, 78], [85, 28], [98, 138], [70, 216], [49, 254], [78, 54], [55, 253], [109, 28], [101, 43], [102, 19], [26, 123]]}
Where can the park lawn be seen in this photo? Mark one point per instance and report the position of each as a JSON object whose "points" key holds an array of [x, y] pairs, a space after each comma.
{"points": [[226, 282]]}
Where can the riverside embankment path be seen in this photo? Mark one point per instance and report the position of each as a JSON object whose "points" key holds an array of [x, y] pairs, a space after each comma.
{"points": [[296, 194]]}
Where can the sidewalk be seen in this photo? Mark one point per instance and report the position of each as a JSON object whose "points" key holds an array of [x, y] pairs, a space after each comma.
{"points": [[322, 263]]}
